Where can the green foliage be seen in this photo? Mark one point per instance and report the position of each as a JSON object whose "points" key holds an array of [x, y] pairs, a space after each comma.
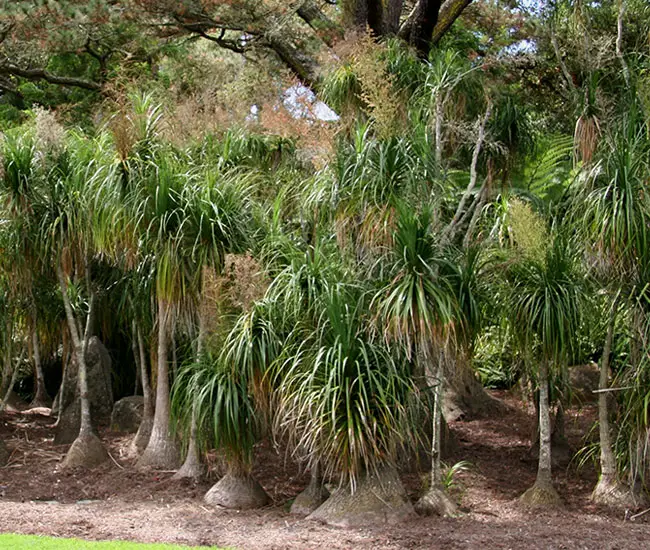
{"points": [[24, 542]]}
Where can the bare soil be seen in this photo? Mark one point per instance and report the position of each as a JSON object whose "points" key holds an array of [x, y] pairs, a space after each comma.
{"points": [[116, 501]]}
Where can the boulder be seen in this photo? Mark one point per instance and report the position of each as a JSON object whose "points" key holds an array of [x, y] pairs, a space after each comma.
{"points": [[100, 393], [67, 428], [127, 414], [584, 380]]}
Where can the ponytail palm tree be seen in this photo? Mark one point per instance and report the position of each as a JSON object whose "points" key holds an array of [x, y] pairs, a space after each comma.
{"points": [[188, 220], [547, 293], [615, 212], [417, 308], [71, 195], [21, 174], [348, 404]]}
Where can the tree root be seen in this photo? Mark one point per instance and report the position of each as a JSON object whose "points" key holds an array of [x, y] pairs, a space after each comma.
{"points": [[87, 451], [378, 499], [436, 502], [611, 492], [237, 492], [541, 495], [310, 499], [161, 453]]}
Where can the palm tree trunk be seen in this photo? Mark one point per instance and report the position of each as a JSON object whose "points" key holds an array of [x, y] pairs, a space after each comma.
{"points": [[609, 489], [136, 358], [161, 451], [12, 382], [542, 493], [87, 450], [7, 370], [435, 500], [41, 398], [193, 467], [544, 465], [141, 439]]}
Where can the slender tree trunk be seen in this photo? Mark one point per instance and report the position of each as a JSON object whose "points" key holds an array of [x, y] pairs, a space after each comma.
{"points": [[609, 489], [542, 493], [14, 378], [450, 231], [86, 450], [544, 465], [141, 439], [41, 398], [193, 467], [7, 370], [476, 215], [86, 425], [619, 41], [136, 359], [435, 500], [436, 476], [161, 451], [439, 113]]}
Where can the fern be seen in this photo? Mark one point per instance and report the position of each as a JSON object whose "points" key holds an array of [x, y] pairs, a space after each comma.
{"points": [[548, 175]]}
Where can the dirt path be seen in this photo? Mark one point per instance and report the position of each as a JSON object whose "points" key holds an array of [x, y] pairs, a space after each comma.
{"points": [[188, 522], [117, 502]]}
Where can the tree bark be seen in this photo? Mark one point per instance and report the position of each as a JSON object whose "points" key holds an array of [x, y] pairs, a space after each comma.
{"points": [[609, 489], [424, 19], [544, 465], [542, 493], [41, 398], [12, 382], [161, 451], [449, 12], [619, 41], [193, 466], [141, 439], [449, 232], [87, 450], [435, 500]]}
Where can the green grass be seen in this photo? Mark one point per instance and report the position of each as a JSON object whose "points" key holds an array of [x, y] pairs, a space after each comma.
{"points": [[22, 542]]}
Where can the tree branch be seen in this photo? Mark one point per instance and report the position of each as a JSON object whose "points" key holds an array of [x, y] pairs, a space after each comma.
{"points": [[11, 69], [311, 14]]}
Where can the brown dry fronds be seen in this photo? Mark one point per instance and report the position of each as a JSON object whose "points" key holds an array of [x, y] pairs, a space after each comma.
{"points": [[378, 91]]}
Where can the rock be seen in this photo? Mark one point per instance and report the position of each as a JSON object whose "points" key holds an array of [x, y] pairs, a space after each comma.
{"points": [[100, 387], [584, 380], [100, 393], [127, 414], [67, 428]]}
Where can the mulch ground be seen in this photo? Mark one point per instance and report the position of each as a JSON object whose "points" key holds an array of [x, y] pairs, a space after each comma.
{"points": [[116, 501]]}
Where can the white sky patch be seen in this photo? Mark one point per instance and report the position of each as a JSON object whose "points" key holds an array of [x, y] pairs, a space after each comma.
{"points": [[301, 102]]}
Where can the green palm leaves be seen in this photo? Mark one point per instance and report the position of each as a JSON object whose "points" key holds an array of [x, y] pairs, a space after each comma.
{"points": [[417, 306], [546, 298]]}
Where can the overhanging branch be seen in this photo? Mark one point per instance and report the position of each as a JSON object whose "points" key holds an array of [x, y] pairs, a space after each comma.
{"points": [[10, 69]]}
